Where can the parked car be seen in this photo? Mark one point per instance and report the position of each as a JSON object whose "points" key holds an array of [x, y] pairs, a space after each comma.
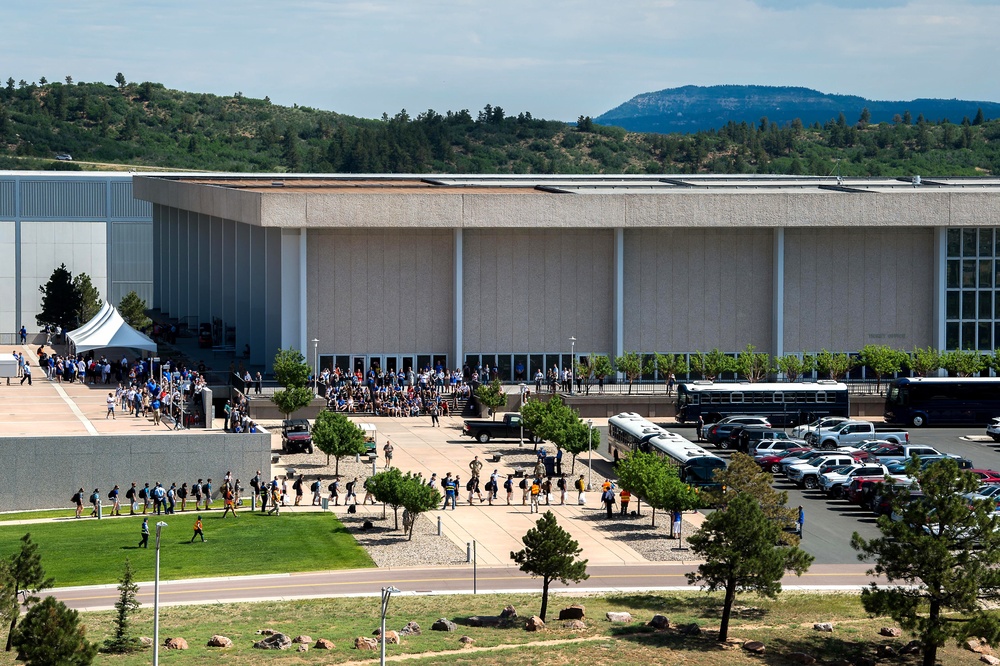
{"points": [[986, 492], [987, 475], [296, 436], [825, 422], [993, 429], [743, 438], [720, 431], [806, 474], [893, 454], [854, 432], [64, 157], [768, 446], [834, 482], [771, 462]]}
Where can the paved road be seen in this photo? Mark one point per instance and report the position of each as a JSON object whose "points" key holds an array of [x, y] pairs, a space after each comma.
{"points": [[436, 580]]}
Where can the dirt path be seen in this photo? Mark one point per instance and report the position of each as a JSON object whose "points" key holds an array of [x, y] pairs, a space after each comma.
{"points": [[473, 650]]}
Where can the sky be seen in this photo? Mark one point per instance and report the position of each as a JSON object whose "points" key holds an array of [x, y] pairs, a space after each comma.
{"points": [[557, 59]]}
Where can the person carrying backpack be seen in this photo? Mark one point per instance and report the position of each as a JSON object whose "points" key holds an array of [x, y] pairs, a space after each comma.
{"points": [[95, 498], [297, 487], [144, 496], [508, 485], [316, 490], [131, 495], [78, 500], [525, 488]]}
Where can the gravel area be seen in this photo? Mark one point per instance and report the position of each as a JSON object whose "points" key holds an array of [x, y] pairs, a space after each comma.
{"points": [[653, 543], [390, 548]]}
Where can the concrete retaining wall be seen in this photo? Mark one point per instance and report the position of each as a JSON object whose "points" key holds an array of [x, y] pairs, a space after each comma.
{"points": [[44, 472]]}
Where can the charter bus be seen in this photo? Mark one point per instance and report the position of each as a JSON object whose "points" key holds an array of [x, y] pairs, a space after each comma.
{"points": [[783, 403], [629, 432], [920, 401]]}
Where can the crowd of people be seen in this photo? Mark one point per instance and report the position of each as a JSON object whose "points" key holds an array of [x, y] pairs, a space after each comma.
{"points": [[160, 499], [430, 392]]}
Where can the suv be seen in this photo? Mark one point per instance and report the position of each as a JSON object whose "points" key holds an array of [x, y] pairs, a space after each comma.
{"points": [[835, 481], [765, 447], [745, 437], [807, 474], [720, 430], [295, 436], [993, 429]]}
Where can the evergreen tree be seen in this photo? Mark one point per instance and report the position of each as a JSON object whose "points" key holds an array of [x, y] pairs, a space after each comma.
{"points": [[941, 560], [120, 80], [90, 298], [738, 545], [25, 572], [551, 553], [51, 633], [336, 435], [60, 300], [123, 641], [133, 311], [978, 120], [744, 475]]}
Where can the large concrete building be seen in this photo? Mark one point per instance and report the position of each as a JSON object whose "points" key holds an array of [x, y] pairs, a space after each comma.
{"points": [[410, 270]]}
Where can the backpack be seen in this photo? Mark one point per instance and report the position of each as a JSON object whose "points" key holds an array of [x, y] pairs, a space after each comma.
{"points": [[523, 484], [580, 485], [297, 485], [315, 486], [143, 493], [196, 489], [508, 485], [111, 494], [352, 508], [95, 497], [75, 498]]}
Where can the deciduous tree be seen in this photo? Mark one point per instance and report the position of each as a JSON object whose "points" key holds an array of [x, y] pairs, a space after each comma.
{"points": [[882, 361], [290, 368], [964, 362], [649, 477], [923, 362], [492, 395], [630, 364], [602, 367], [794, 367], [752, 365], [336, 435], [291, 400], [712, 364], [738, 544], [670, 364], [941, 560], [418, 498], [834, 366], [550, 553]]}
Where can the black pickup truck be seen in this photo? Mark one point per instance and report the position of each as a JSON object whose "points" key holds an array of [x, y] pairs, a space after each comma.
{"points": [[509, 428]]}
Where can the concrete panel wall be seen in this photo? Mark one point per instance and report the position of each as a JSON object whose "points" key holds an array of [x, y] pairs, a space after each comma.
{"points": [[8, 280], [698, 289], [848, 288], [44, 472], [531, 290], [380, 290]]}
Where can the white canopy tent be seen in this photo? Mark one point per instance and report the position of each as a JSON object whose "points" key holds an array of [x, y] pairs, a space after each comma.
{"points": [[108, 329]]}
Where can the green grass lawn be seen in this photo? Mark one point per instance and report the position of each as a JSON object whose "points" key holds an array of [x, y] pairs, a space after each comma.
{"points": [[33, 515], [89, 551]]}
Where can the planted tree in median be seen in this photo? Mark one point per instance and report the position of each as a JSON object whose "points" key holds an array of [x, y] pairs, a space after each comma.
{"points": [[738, 544], [602, 367], [883, 361], [651, 478], [336, 435], [834, 366], [670, 364], [630, 364], [752, 365], [568, 432], [794, 367], [923, 362], [550, 553], [941, 560], [122, 641], [713, 364], [492, 395], [964, 362], [25, 574], [418, 498]]}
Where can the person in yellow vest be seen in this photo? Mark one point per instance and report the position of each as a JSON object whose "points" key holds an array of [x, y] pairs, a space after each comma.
{"points": [[197, 530], [625, 497], [535, 490]]}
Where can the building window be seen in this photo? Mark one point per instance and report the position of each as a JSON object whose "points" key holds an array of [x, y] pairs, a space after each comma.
{"points": [[972, 283]]}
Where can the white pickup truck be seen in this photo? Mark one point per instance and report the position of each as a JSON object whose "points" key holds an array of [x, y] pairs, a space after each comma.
{"points": [[807, 474], [801, 431], [853, 432]]}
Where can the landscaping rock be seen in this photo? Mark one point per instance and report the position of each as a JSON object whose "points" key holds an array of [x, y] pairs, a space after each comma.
{"points": [[145, 641], [302, 639], [220, 641], [276, 641], [732, 643], [444, 624], [175, 644], [660, 622], [802, 658], [392, 638], [754, 647], [989, 659], [574, 612], [619, 617], [891, 632], [484, 621], [508, 612], [411, 629], [575, 624], [302, 648], [913, 647], [324, 644], [978, 645], [365, 643], [534, 623], [823, 626], [886, 652], [466, 641], [692, 629]]}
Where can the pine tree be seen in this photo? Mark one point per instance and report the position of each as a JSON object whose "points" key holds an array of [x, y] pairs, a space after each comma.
{"points": [[24, 569], [51, 633], [90, 298], [60, 300], [133, 311], [123, 641], [744, 476], [551, 553], [738, 546]]}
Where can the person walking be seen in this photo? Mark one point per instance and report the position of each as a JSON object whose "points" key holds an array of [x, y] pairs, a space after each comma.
{"points": [[146, 496], [144, 534], [198, 531], [27, 374], [297, 487], [116, 507], [625, 496], [95, 498], [368, 491], [351, 489], [525, 489], [206, 489], [196, 494], [275, 499], [230, 502], [561, 485], [387, 450], [559, 455], [494, 481], [171, 498], [111, 407], [435, 411], [334, 489], [536, 489], [547, 490], [508, 485], [78, 500], [131, 495], [450, 492], [317, 490], [182, 493], [608, 497]]}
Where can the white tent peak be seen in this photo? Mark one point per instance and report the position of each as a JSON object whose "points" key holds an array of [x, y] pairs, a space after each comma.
{"points": [[108, 329]]}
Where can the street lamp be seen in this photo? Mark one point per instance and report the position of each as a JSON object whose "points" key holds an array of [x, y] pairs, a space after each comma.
{"points": [[315, 342], [590, 453], [572, 363], [156, 598], [386, 593]]}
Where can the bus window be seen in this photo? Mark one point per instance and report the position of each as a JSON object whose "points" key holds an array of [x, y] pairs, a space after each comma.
{"points": [[735, 397]]}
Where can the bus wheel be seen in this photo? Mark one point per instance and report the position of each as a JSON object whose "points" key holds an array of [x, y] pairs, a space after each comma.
{"points": [[918, 421]]}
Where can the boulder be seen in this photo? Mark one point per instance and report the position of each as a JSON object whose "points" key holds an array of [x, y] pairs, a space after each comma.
{"points": [[692, 629], [484, 621], [732, 643], [978, 645], [621, 617], [574, 612], [443, 624], [577, 625], [886, 652], [302, 639], [145, 641], [365, 643], [303, 647], [411, 629], [466, 641], [534, 623], [391, 638], [913, 647], [324, 644], [823, 626], [989, 659], [276, 641], [754, 647], [660, 622], [802, 658], [220, 641], [508, 612], [891, 632], [175, 644]]}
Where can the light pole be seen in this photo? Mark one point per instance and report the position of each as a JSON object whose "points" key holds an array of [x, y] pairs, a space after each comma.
{"points": [[315, 342], [156, 598], [386, 593], [590, 453], [572, 363]]}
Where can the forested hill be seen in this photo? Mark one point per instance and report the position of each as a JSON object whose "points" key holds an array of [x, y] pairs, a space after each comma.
{"points": [[695, 108], [147, 125]]}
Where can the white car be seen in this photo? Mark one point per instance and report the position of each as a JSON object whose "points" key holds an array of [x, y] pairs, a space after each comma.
{"points": [[835, 481], [993, 429], [825, 422], [807, 474], [768, 447]]}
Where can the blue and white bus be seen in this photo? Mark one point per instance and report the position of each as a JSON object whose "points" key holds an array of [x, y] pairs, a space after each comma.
{"points": [[782, 403]]}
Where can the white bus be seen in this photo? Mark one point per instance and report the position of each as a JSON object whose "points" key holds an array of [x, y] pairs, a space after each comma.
{"points": [[629, 432]]}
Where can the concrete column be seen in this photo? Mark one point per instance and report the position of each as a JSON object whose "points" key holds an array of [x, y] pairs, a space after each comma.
{"points": [[778, 305], [257, 288], [940, 263], [170, 258], [244, 292], [619, 294], [291, 304], [217, 267], [458, 312]]}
